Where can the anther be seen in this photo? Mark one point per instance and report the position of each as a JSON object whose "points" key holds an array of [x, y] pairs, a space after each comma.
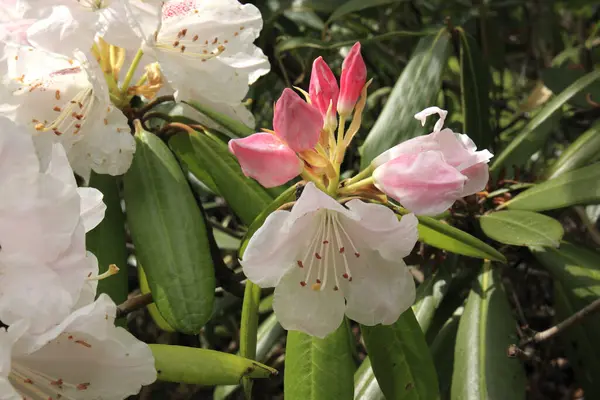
{"points": [[357, 254], [345, 275], [195, 38], [57, 109], [176, 43], [57, 95], [318, 281], [302, 283], [335, 288], [182, 49], [342, 250], [325, 241], [318, 256], [300, 264]]}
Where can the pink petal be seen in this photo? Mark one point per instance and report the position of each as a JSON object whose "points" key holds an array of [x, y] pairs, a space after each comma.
{"points": [[297, 122], [267, 159], [423, 183], [478, 176], [352, 81], [323, 88]]}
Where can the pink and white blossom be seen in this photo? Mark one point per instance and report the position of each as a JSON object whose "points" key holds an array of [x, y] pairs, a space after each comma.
{"points": [[326, 260], [352, 81], [296, 122]]}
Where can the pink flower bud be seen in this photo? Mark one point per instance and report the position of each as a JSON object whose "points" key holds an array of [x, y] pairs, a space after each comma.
{"points": [[354, 76], [297, 122], [267, 159], [323, 87], [428, 184]]}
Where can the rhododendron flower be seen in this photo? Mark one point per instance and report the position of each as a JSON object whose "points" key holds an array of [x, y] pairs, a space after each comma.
{"points": [[211, 41], [43, 221], [429, 173], [83, 357], [324, 91], [266, 158], [326, 260], [65, 100], [296, 122]]}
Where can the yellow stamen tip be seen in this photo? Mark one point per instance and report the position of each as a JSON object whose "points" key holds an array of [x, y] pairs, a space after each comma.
{"points": [[316, 286]]}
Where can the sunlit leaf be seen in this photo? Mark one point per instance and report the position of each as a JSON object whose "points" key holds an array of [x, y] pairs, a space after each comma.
{"points": [[522, 228]]}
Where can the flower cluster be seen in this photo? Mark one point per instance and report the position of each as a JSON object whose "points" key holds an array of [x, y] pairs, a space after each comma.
{"points": [[59, 341], [64, 75], [339, 250]]}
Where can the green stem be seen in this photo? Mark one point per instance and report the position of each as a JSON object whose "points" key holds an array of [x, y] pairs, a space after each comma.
{"points": [[311, 178], [365, 173], [131, 71], [351, 188]]}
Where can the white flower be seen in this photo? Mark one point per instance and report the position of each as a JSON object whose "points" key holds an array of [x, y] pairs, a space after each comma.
{"points": [[206, 50], [43, 221], [83, 357], [63, 26], [65, 100], [325, 260]]}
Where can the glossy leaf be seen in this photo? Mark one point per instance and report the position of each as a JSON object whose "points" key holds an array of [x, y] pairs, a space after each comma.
{"points": [[537, 130], [365, 384], [430, 294], [522, 228], [204, 367], [442, 350], [582, 151], [107, 241], [558, 79], [401, 359], [318, 369], [158, 319], [486, 329], [415, 90], [475, 84], [237, 128], [201, 152], [249, 327], [169, 234], [581, 186], [576, 273]]}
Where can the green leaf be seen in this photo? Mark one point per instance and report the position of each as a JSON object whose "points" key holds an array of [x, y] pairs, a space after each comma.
{"points": [[199, 151], [351, 6], [522, 228], [537, 130], [237, 128], [442, 350], [158, 319], [558, 79], [318, 369], [401, 360], [446, 237], [475, 83], [582, 151], [430, 294], [581, 186], [415, 90], [576, 273], [169, 234], [204, 367], [365, 384], [486, 329], [107, 241], [249, 327]]}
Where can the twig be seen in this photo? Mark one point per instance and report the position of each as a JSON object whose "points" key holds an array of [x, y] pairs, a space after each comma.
{"points": [[224, 229], [567, 323], [593, 232], [133, 303], [160, 99]]}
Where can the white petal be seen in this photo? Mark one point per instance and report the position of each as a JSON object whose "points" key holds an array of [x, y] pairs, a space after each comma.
{"points": [[92, 357], [8, 337], [313, 199], [92, 207], [380, 291], [272, 251], [422, 116], [380, 229], [297, 307]]}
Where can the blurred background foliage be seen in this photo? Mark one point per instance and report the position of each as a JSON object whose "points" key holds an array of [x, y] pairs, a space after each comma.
{"points": [[518, 77]]}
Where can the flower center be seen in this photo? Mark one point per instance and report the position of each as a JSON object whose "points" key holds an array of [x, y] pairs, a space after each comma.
{"points": [[326, 259], [32, 384]]}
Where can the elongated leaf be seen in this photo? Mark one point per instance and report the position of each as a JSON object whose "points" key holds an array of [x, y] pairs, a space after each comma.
{"points": [[442, 350], [537, 130], [237, 128], [481, 368], [576, 273], [318, 369], [357, 5], [581, 186], [447, 237], [415, 90], [365, 384], [169, 234], [249, 327], [245, 196], [583, 150], [401, 360], [522, 228], [107, 241], [475, 84], [158, 319], [204, 367], [429, 296], [558, 79]]}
